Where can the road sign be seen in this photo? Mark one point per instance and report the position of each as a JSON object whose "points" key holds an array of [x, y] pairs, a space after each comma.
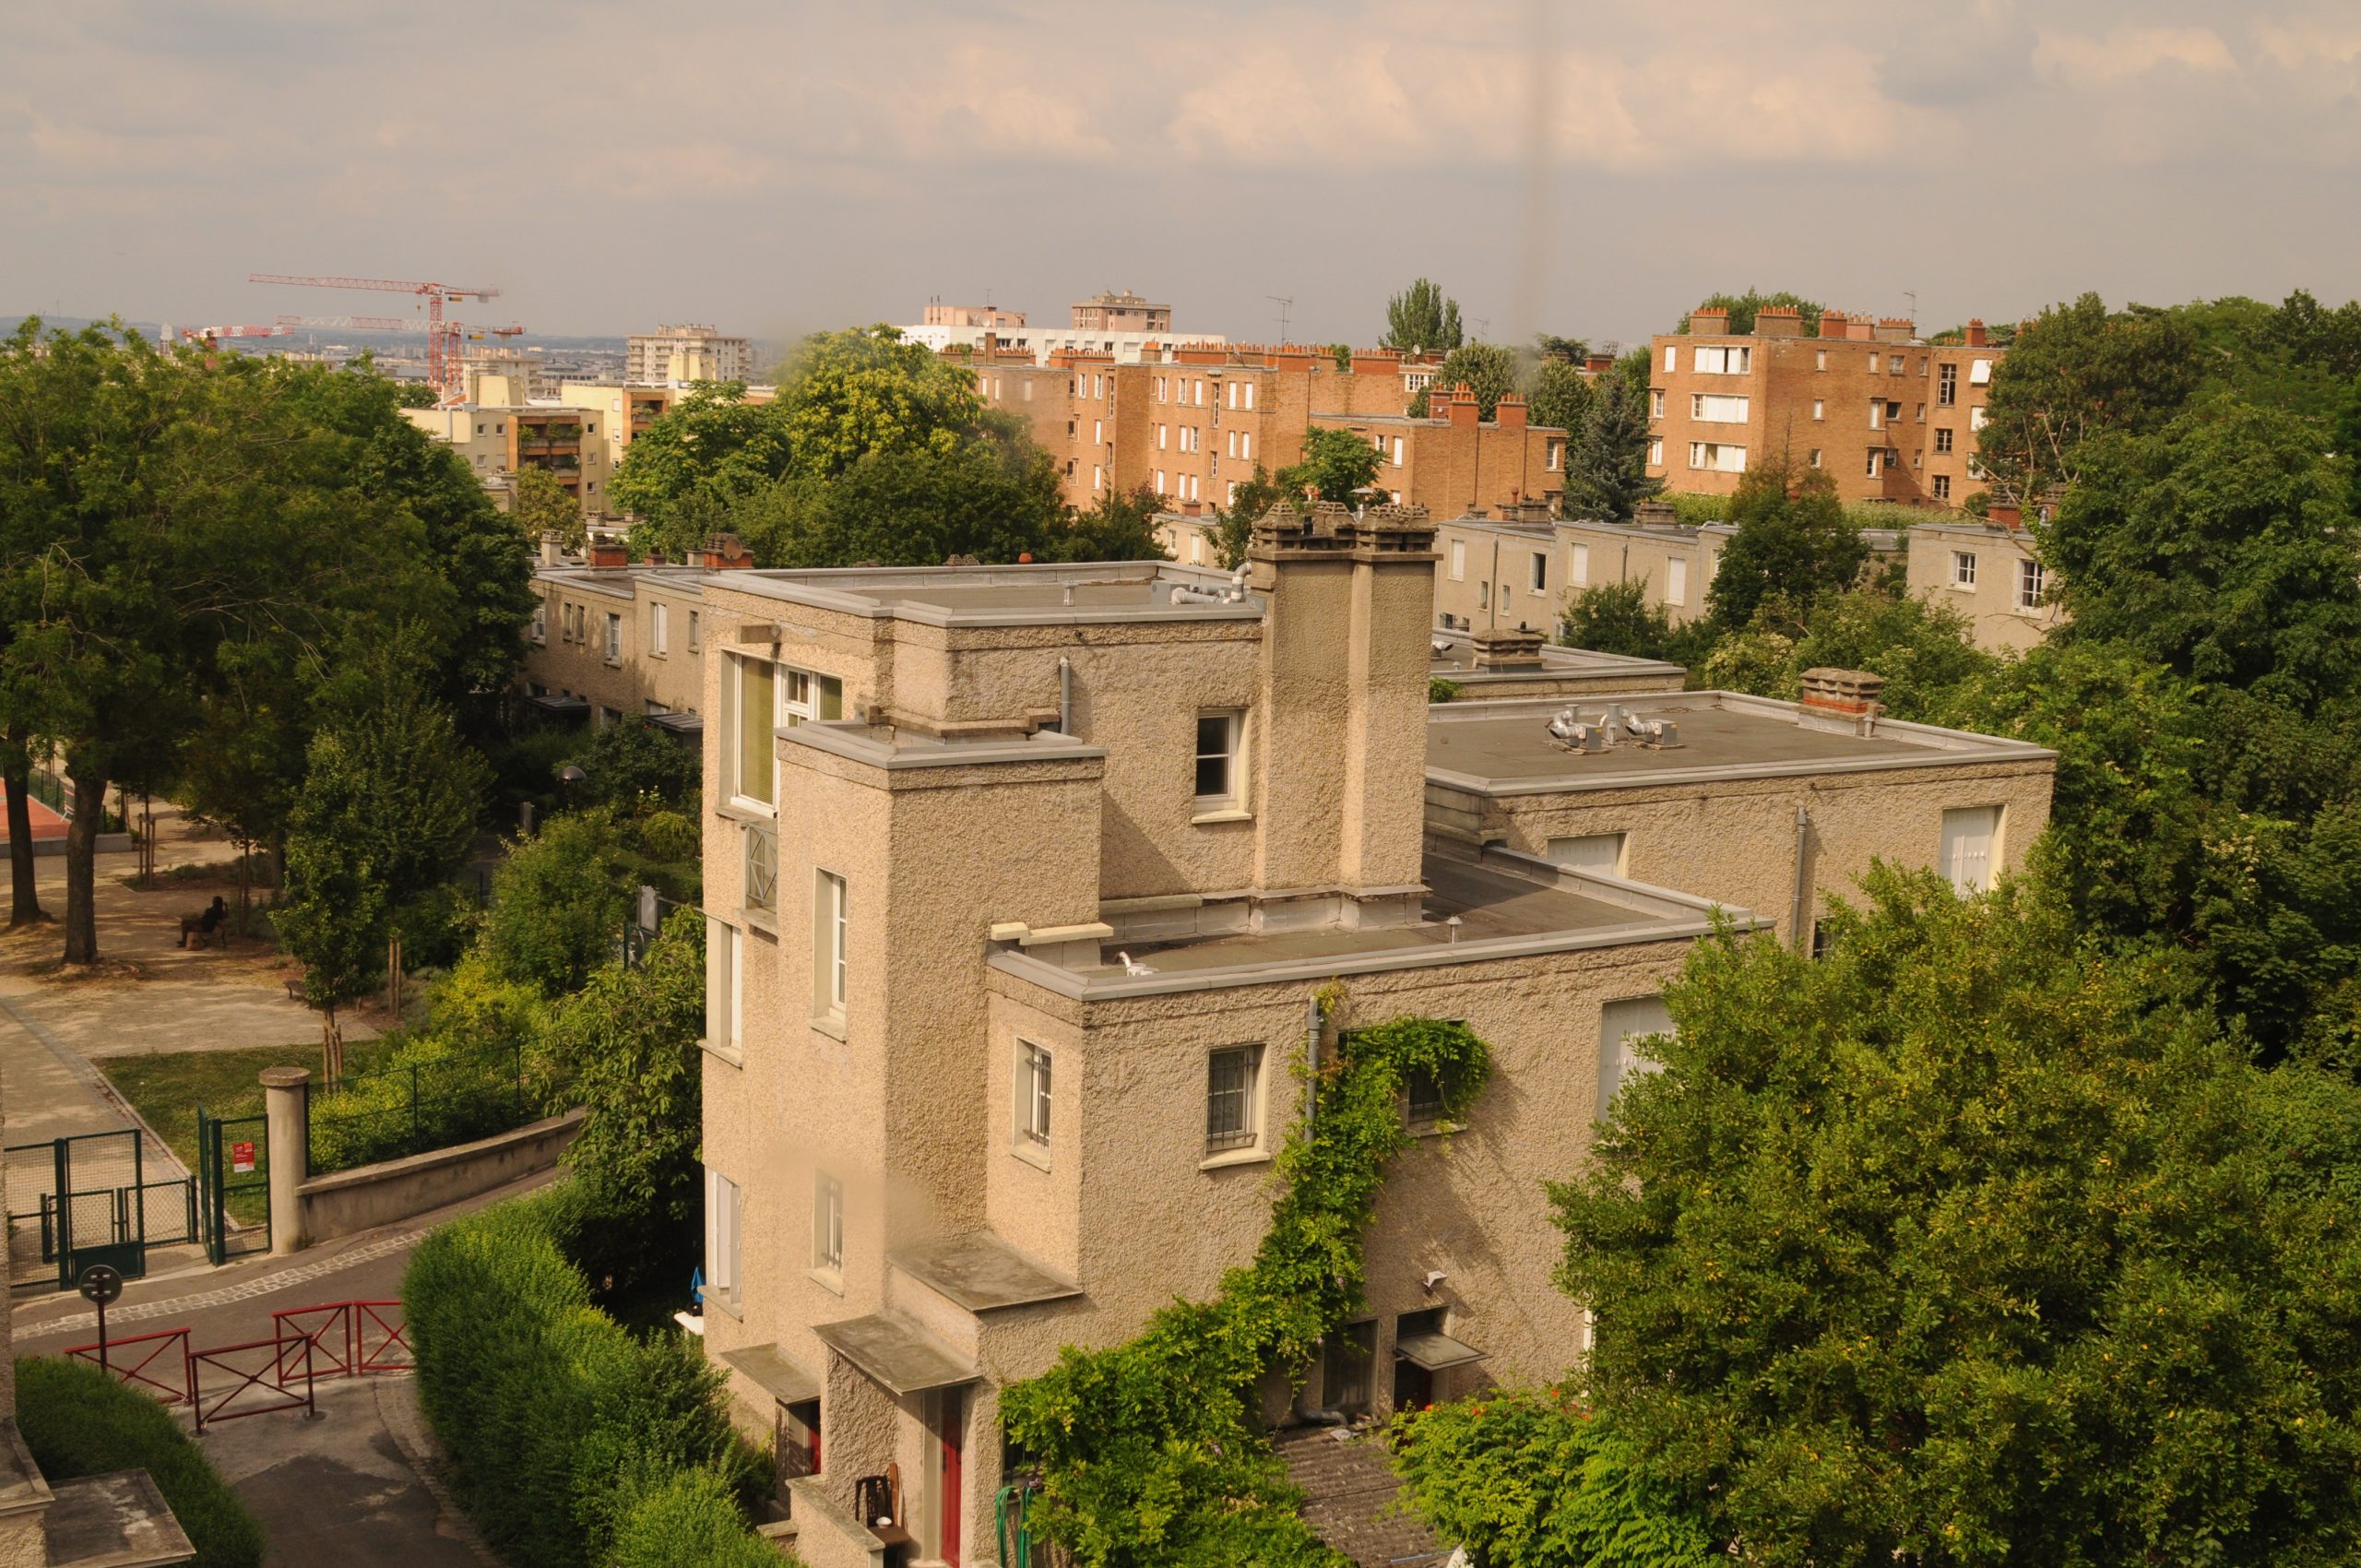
{"points": [[99, 1285], [242, 1158]]}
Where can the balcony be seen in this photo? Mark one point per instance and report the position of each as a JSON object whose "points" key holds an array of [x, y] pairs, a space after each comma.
{"points": [[762, 867]]}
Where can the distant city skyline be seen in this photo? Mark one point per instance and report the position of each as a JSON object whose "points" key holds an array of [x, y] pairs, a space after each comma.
{"points": [[773, 170]]}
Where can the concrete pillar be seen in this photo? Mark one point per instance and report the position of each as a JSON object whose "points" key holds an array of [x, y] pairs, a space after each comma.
{"points": [[285, 1093]]}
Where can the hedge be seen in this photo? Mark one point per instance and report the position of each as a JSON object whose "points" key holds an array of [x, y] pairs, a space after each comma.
{"points": [[80, 1422], [572, 1444], [1150, 1451]]}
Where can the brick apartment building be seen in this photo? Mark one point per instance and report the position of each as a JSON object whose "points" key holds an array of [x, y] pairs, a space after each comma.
{"points": [[1889, 417], [1193, 424], [1020, 882]]}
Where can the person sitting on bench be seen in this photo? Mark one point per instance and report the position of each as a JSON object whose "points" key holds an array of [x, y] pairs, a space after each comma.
{"points": [[207, 924]]}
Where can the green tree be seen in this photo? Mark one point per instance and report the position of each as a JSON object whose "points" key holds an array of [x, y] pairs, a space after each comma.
{"points": [[1744, 308], [1617, 618], [542, 509], [693, 462], [1421, 318], [1792, 539], [1607, 463], [1234, 524], [916, 507], [1560, 394], [2075, 372], [632, 765], [1488, 370], [337, 909], [866, 392], [631, 1036], [1969, 1244], [1336, 465], [1550, 348], [2348, 444], [1120, 528], [1924, 651], [558, 903]]}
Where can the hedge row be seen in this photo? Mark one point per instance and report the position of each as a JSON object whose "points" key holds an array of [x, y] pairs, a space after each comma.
{"points": [[80, 1422], [572, 1445]]}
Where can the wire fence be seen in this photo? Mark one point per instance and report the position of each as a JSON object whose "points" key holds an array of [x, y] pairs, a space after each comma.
{"points": [[426, 1104]]}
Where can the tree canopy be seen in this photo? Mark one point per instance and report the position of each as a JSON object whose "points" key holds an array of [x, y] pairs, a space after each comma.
{"points": [[1972, 1244], [2076, 371], [1420, 316], [1745, 307], [1792, 539], [1606, 462], [1336, 465]]}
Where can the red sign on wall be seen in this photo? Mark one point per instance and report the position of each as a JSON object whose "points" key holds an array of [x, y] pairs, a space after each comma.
{"points": [[242, 1158]]}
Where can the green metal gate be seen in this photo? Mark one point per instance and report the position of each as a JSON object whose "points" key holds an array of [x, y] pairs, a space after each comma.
{"points": [[76, 1201], [233, 1183]]}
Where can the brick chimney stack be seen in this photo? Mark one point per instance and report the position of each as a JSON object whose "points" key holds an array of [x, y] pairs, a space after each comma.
{"points": [[1510, 415], [1707, 320], [606, 553], [1772, 322], [1833, 323], [1462, 409], [1977, 335]]}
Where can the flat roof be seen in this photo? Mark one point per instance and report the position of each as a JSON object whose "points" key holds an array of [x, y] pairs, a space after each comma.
{"points": [[980, 1272], [1452, 653], [1025, 595], [1507, 904], [1506, 747]]}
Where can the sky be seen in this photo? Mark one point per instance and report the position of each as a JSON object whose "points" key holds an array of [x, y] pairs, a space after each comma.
{"points": [[1590, 169]]}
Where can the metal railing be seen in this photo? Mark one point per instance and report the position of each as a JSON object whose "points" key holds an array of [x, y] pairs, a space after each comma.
{"points": [[396, 1111]]}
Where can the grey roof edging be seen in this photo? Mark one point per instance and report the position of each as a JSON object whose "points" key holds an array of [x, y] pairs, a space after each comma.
{"points": [[825, 737]]}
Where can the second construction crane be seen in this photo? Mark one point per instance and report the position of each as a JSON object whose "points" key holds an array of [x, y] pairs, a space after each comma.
{"points": [[445, 370]]}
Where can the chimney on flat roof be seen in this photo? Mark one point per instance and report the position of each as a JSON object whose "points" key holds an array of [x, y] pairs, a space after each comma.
{"points": [[1832, 323], [1860, 329], [1977, 335], [1462, 410], [1706, 320], [608, 553], [1897, 329], [1507, 647], [1776, 322], [1841, 702], [1510, 413]]}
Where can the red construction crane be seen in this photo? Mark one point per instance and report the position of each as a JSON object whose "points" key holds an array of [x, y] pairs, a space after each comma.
{"points": [[443, 367]]}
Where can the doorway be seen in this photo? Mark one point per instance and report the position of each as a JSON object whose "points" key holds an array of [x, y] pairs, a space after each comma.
{"points": [[951, 1453]]}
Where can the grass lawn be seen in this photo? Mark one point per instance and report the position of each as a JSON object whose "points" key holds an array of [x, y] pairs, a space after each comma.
{"points": [[167, 1087]]}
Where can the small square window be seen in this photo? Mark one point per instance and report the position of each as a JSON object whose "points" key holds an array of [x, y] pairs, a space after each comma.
{"points": [[1942, 487], [1232, 1087], [1424, 1098], [1963, 568]]}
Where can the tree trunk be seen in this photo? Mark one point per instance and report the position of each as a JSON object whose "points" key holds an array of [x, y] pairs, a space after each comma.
{"points": [[331, 1046], [81, 863], [24, 891]]}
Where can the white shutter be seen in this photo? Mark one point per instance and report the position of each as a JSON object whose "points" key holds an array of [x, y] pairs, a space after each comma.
{"points": [[1676, 582], [1969, 835], [1582, 565], [1619, 1023], [1589, 852]]}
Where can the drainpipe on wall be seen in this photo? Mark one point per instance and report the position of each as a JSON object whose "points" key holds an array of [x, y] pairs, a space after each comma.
{"points": [[1065, 696], [1797, 938]]}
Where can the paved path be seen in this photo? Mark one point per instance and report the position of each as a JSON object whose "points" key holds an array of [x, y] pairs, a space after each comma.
{"points": [[362, 1484]]}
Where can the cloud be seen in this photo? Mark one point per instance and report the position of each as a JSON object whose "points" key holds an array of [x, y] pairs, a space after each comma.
{"points": [[2085, 59]]}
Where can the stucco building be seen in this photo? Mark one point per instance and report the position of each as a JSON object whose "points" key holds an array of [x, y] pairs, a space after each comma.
{"points": [[511, 434], [1889, 417], [1991, 573], [674, 356], [1021, 882], [1123, 311]]}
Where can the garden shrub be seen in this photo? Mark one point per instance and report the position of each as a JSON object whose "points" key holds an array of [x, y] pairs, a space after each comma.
{"points": [[569, 1440], [429, 1093], [1150, 1451], [80, 1422], [1525, 1478]]}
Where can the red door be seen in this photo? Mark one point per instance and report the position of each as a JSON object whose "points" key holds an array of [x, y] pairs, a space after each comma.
{"points": [[953, 1435]]}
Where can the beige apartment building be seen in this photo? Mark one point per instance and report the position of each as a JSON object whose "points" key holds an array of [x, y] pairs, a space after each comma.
{"points": [[613, 637], [674, 356], [937, 314], [1989, 573], [1123, 312], [1193, 424], [1524, 567], [1889, 417], [508, 436], [1021, 885]]}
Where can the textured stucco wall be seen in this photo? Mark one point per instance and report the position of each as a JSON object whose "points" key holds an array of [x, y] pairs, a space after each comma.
{"points": [[1989, 604]]}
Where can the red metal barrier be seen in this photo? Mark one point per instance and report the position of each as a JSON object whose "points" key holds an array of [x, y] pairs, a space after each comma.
{"points": [[272, 1374], [126, 1360], [348, 1338]]}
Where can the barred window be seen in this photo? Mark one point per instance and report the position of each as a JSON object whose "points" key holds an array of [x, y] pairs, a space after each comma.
{"points": [[1230, 1084]]}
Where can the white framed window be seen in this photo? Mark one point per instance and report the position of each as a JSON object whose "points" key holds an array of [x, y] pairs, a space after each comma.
{"points": [[1877, 458], [725, 984], [1159, 481], [1621, 1026], [693, 631], [827, 1223], [1717, 456], [1193, 480], [1893, 365], [1975, 418], [2032, 578], [1714, 407], [1675, 583], [1820, 359], [1970, 843], [1655, 452], [1815, 457], [1877, 413], [1232, 393], [1723, 359], [1963, 568], [1161, 432], [831, 940], [1160, 389], [1246, 439], [1221, 735], [1249, 396], [659, 627], [1397, 451], [725, 1215], [614, 637], [1032, 1111], [1942, 487], [804, 697], [1201, 394], [1540, 578], [1589, 852], [1656, 402], [1097, 476], [1581, 574], [1553, 457], [1099, 433], [1671, 357], [1946, 386], [1943, 442], [1233, 1093], [1197, 547], [1458, 560], [1231, 498], [1820, 408], [1483, 596]]}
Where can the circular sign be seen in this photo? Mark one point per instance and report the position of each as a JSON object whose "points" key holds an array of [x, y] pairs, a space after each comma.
{"points": [[99, 1284]]}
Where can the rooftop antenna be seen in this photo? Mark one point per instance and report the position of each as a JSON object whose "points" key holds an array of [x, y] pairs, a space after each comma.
{"points": [[1912, 295], [1287, 305], [1483, 327]]}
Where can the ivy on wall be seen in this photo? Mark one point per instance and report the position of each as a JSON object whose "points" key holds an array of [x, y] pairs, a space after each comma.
{"points": [[1151, 1450]]}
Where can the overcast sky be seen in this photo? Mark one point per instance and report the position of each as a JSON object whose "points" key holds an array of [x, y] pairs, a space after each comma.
{"points": [[1588, 169]]}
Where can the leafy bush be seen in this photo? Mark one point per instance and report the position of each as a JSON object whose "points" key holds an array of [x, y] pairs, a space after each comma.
{"points": [[635, 1033], [571, 1442], [430, 1093], [1441, 690], [631, 764], [1524, 1479], [558, 902], [80, 1422], [1148, 1450]]}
